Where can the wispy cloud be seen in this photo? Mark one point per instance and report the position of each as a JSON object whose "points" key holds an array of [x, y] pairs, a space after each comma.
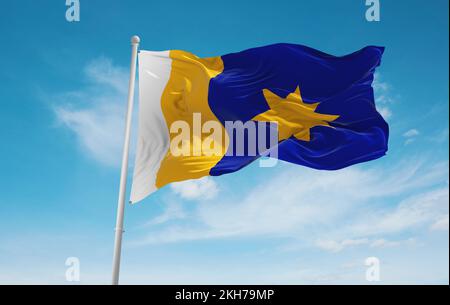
{"points": [[411, 133], [383, 96], [337, 246], [385, 112], [440, 136], [383, 243], [173, 211], [96, 112], [441, 224], [348, 207], [382, 90], [194, 189], [418, 210], [411, 136]]}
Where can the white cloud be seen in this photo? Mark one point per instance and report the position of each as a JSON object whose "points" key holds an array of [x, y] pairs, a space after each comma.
{"points": [[411, 136], [383, 96], [385, 112], [412, 212], [440, 136], [382, 90], [409, 141], [337, 246], [205, 188], [103, 72], [96, 113], [98, 130], [411, 133], [331, 210], [383, 243], [441, 224], [173, 211]]}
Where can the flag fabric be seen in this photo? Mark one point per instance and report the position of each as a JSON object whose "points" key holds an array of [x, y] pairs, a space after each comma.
{"points": [[323, 108]]}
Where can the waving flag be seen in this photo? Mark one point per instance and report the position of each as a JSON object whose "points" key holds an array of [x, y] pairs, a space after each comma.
{"points": [[321, 105]]}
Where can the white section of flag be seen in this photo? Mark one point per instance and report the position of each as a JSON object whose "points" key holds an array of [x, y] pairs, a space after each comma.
{"points": [[153, 135]]}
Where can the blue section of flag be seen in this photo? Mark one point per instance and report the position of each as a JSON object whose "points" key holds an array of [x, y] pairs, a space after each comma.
{"points": [[342, 86]]}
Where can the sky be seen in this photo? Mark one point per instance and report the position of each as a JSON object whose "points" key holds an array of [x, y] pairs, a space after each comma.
{"points": [[63, 89]]}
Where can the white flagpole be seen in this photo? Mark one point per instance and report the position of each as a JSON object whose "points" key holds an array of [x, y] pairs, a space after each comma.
{"points": [[124, 171]]}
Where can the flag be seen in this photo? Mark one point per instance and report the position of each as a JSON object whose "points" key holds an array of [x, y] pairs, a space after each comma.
{"points": [[321, 106]]}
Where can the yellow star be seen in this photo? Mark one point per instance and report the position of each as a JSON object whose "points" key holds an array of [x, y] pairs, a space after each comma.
{"points": [[293, 116]]}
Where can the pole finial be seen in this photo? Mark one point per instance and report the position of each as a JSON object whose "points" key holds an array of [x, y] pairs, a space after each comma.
{"points": [[135, 39]]}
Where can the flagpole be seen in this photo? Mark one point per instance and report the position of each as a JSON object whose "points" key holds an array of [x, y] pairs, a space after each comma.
{"points": [[124, 170]]}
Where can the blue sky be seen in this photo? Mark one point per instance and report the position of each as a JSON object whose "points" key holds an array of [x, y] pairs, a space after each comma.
{"points": [[63, 89]]}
